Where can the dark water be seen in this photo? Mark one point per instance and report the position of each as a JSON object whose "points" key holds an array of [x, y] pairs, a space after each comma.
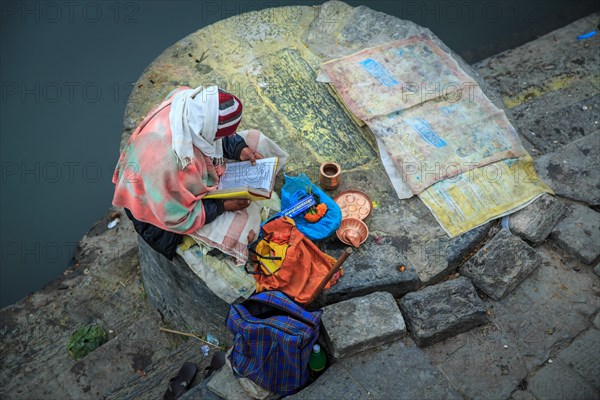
{"points": [[66, 71]]}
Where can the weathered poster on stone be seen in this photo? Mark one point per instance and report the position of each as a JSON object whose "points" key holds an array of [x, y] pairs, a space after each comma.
{"points": [[395, 76], [475, 197], [442, 138]]}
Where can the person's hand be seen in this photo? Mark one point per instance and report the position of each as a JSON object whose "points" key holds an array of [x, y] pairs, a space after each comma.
{"points": [[249, 154], [235, 204]]}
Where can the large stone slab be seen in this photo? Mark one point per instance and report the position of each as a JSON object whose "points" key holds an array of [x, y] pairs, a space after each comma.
{"points": [[501, 264], [362, 323], [336, 382], [535, 222], [560, 287], [401, 371], [558, 381], [483, 363], [573, 170], [579, 233], [583, 356], [443, 310]]}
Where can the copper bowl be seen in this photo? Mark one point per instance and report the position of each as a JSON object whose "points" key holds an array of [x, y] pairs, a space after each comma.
{"points": [[352, 231]]}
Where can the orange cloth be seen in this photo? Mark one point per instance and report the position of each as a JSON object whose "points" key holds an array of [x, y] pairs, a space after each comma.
{"points": [[303, 266]]}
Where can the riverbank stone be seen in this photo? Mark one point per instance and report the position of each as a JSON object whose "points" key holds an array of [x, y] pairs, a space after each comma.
{"points": [[443, 310], [579, 233], [362, 323], [182, 299], [572, 171], [500, 265], [535, 222]]}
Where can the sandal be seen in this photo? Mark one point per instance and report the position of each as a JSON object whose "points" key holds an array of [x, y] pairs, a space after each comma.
{"points": [[179, 384], [217, 361]]}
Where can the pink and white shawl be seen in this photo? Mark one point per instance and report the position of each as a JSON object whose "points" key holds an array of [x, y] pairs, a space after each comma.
{"points": [[152, 184]]}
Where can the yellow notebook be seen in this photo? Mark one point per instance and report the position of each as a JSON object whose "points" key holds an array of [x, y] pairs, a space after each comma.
{"points": [[242, 180]]}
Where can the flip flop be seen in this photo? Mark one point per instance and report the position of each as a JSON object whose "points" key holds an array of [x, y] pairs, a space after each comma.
{"points": [[179, 384], [216, 362]]}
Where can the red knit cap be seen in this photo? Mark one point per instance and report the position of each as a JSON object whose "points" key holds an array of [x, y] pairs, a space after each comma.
{"points": [[230, 114]]}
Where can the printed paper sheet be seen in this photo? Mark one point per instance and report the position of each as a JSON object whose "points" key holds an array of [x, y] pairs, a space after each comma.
{"points": [[473, 198]]}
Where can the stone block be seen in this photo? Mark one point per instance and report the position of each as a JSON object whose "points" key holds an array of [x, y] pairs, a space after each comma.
{"points": [[578, 233], [500, 265], [597, 321], [535, 222], [572, 171], [597, 269], [583, 356], [558, 381], [362, 323], [443, 310]]}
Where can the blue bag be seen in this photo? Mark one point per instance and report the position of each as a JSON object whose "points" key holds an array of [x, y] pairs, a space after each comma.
{"points": [[296, 188], [273, 340]]}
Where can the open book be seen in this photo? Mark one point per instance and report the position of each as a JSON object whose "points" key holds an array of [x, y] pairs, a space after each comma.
{"points": [[242, 180]]}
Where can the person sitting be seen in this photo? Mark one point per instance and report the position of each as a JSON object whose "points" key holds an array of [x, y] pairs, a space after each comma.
{"points": [[175, 157]]}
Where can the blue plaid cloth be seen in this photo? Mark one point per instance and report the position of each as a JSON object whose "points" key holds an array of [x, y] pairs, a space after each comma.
{"points": [[273, 341]]}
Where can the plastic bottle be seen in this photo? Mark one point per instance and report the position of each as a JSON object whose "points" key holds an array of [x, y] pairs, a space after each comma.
{"points": [[316, 362]]}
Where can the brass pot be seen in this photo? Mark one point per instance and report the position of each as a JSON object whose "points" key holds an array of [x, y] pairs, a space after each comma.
{"points": [[330, 176]]}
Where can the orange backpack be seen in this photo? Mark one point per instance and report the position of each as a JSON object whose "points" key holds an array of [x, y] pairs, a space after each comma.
{"points": [[286, 260]]}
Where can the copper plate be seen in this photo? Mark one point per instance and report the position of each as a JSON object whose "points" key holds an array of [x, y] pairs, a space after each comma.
{"points": [[354, 204]]}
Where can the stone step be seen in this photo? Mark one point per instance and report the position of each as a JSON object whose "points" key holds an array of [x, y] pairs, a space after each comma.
{"points": [[443, 310], [499, 266], [362, 323]]}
